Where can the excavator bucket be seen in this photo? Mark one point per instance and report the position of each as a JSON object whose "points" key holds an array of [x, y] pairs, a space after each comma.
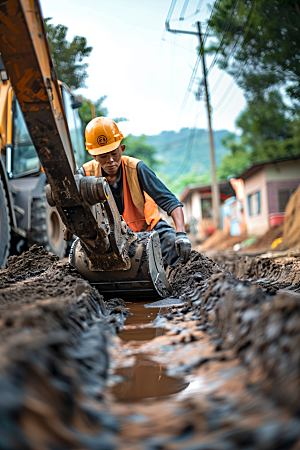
{"points": [[145, 278]]}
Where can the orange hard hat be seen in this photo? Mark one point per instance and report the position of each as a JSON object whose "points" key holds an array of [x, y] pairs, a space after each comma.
{"points": [[102, 135]]}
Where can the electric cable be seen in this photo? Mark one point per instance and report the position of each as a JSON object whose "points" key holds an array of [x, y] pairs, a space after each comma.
{"points": [[242, 67], [184, 8], [189, 147], [230, 55]]}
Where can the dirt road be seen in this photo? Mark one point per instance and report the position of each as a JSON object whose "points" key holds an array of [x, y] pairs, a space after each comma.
{"points": [[220, 369]]}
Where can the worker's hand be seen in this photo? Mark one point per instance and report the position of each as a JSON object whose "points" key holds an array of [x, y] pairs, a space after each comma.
{"points": [[183, 246]]}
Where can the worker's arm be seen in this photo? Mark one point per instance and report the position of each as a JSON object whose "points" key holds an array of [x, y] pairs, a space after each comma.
{"points": [[178, 218], [169, 203]]}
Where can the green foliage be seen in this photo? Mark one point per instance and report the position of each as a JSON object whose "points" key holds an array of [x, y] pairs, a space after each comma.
{"points": [[233, 165], [85, 110], [178, 185], [263, 38], [137, 147], [268, 133], [186, 151], [68, 56]]}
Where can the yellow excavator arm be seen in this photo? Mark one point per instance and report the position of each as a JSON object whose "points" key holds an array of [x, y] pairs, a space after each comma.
{"points": [[107, 252]]}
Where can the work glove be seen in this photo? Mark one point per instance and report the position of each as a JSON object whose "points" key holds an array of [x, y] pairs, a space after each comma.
{"points": [[183, 246]]}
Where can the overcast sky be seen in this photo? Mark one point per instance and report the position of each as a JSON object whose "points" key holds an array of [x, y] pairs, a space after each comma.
{"points": [[145, 71]]}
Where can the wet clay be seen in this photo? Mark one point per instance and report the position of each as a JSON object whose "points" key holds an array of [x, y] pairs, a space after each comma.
{"points": [[212, 377], [54, 358], [29, 264], [270, 274], [184, 277]]}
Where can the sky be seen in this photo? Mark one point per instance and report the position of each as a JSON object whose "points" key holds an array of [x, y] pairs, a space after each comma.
{"points": [[144, 70]]}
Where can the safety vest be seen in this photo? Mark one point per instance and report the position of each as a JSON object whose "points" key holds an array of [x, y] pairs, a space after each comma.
{"points": [[140, 210]]}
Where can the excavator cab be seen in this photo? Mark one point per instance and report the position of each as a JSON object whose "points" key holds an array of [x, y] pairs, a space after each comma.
{"points": [[27, 218]]}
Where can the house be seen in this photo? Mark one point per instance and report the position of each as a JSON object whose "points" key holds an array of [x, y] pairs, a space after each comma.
{"points": [[267, 189], [197, 201]]}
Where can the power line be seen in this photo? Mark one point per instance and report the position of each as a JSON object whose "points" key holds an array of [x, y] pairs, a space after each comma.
{"points": [[171, 10], [230, 55], [242, 67], [198, 9], [183, 11], [189, 147], [223, 37]]}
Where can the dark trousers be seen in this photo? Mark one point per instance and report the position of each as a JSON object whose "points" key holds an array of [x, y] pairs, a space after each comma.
{"points": [[167, 236]]}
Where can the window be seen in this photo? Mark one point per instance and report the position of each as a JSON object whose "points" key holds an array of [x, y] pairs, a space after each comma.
{"points": [[75, 127], [25, 159], [206, 206], [283, 196], [254, 203]]}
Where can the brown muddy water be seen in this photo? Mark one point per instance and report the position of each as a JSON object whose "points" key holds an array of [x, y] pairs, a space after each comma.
{"points": [[145, 378]]}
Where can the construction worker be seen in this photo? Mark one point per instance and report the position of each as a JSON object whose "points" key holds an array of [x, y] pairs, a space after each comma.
{"points": [[136, 189]]}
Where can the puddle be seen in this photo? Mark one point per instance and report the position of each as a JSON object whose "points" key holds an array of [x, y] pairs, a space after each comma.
{"points": [[141, 316], [141, 334], [146, 379]]}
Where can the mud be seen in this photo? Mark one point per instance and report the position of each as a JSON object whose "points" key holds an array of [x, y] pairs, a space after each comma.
{"points": [[29, 264], [54, 357], [185, 277], [270, 274], [115, 304], [206, 400], [262, 329], [215, 366]]}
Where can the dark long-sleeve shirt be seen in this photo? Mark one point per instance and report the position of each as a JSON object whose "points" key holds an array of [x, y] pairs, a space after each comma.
{"points": [[150, 184]]}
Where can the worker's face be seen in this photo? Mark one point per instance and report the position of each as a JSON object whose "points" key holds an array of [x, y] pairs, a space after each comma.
{"points": [[110, 162]]}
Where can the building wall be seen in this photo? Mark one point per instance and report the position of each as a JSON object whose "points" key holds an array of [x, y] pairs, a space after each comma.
{"points": [[273, 187], [283, 171], [196, 205], [257, 224], [187, 211]]}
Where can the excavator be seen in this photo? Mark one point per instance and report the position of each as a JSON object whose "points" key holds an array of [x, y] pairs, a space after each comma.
{"points": [[106, 252], [25, 217]]}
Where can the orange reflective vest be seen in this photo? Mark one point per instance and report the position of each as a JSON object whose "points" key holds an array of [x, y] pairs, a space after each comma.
{"points": [[140, 211]]}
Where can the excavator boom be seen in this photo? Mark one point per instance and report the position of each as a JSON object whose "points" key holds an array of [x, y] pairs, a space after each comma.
{"points": [[107, 252]]}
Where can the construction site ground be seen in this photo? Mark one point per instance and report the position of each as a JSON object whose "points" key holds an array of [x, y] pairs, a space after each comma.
{"points": [[214, 366]]}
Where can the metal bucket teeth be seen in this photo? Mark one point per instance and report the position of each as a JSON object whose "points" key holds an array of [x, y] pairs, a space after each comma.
{"points": [[145, 278]]}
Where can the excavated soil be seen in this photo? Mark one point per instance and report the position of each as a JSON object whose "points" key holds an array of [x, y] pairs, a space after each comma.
{"points": [[54, 332], [221, 370], [187, 276], [291, 229], [264, 242]]}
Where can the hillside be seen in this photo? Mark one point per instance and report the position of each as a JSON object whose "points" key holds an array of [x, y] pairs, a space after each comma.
{"points": [[186, 152]]}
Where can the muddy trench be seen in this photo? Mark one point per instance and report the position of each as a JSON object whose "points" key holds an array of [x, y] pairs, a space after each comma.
{"points": [[214, 366]]}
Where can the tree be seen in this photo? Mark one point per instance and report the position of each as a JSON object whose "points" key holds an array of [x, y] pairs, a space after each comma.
{"points": [[264, 119], [259, 44], [68, 56], [182, 181], [137, 147], [267, 133], [85, 110]]}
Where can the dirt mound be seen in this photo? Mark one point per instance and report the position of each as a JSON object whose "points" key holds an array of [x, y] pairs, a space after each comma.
{"points": [[262, 329], [29, 264], [184, 277], [220, 241], [268, 273], [291, 229], [54, 357], [264, 242]]}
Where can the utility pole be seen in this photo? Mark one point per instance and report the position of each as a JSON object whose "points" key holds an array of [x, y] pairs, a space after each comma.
{"points": [[215, 187], [215, 191]]}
